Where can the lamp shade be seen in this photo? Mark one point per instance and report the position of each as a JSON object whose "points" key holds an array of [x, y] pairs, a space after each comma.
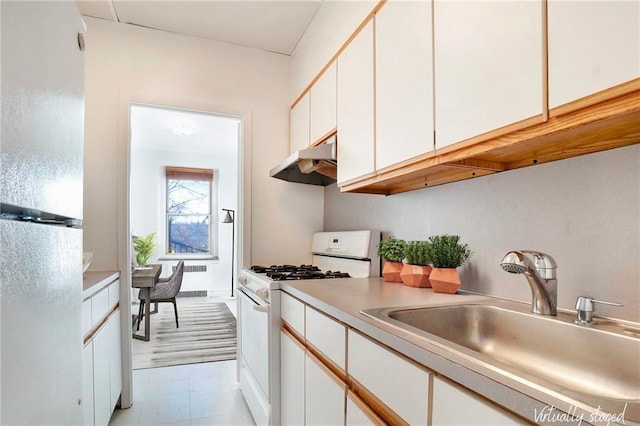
{"points": [[228, 218]]}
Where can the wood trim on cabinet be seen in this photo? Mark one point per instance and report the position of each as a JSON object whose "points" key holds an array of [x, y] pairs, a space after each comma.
{"points": [[320, 363], [366, 410], [100, 324], [597, 98], [606, 120], [335, 369], [324, 137], [353, 35], [374, 403], [291, 332], [492, 134], [545, 61]]}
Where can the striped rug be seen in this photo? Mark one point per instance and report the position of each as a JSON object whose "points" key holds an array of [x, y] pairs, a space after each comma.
{"points": [[207, 333]]}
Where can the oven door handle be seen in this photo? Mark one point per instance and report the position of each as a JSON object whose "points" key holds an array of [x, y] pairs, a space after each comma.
{"points": [[256, 306]]}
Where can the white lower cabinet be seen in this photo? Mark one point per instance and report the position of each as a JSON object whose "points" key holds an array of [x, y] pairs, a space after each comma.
{"points": [[448, 398], [397, 382], [107, 370], [292, 312], [101, 377], [115, 359], [324, 394], [326, 335], [102, 357], [291, 380]]}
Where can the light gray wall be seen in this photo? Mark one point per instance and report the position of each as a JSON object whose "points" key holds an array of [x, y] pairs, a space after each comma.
{"points": [[585, 212]]}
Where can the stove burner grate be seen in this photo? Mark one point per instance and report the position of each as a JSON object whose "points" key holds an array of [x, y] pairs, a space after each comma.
{"points": [[292, 272]]}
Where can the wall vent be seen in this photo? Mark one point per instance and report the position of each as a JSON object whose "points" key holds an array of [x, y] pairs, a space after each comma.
{"points": [[193, 293], [192, 268]]}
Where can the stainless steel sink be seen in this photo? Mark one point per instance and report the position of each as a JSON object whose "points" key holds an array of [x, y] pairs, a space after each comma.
{"points": [[602, 361]]}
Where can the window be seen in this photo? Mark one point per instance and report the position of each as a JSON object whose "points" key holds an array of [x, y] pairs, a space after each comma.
{"points": [[189, 210]]}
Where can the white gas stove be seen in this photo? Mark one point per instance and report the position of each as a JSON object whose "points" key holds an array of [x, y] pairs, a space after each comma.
{"points": [[350, 254]]}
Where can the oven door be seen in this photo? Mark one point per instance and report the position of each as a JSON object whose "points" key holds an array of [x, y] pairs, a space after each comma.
{"points": [[254, 332]]}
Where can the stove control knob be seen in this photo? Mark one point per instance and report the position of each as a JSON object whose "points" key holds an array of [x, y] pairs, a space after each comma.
{"points": [[243, 280], [263, 293]]}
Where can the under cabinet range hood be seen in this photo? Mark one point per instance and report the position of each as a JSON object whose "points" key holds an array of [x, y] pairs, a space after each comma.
{"points": [[315, 165]]}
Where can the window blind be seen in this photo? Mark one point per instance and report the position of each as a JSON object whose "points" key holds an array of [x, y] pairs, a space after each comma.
{"points": [[189, 173]]}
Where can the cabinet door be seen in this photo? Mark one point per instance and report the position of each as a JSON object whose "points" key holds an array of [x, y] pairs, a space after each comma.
{"points": [[398, 383], [355, 107], [101, 377], [115, 359], [87, 384], [114, 293], [291, 380], [292, 312], [325, 394], [299, 122], [404, 81], [86, 316], [592, 46], [488, 66], [449, 398], [99, 306], [327, 335], [323, 105]]}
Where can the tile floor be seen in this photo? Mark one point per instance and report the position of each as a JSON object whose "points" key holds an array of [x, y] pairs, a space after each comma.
{"points": [[195, 394]]}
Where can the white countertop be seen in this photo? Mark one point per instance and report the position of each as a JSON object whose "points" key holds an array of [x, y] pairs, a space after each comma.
{"points": [[343, 299], [94, 281]]}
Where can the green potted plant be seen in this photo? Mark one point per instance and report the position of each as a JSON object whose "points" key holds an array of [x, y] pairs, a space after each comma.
{"points": [[416, 270], [446, 253], [144, 247], [392, 251]]}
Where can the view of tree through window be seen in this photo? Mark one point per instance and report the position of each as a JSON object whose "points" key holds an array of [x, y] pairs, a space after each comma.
{"points": [[188, 213]]}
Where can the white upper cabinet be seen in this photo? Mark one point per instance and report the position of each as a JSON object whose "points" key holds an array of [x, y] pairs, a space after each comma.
{"points": [[593, 45], [488, 66], [404, 81], [323, 105], [299, 122], [356, 108]]}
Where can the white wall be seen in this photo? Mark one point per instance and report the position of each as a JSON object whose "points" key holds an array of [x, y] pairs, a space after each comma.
{"points": [[584, 212], [126, 63], [148, 201]]}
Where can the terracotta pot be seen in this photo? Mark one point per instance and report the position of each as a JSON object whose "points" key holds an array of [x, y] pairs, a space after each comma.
{"points": [[391, 271], [444, 280], [415, 275]]}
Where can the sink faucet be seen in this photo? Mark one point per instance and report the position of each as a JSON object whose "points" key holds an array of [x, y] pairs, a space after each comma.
{"points": [[541, 276]]}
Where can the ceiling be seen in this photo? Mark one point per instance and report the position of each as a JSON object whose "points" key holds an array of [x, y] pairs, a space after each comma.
{"points": [[165, 129], [274, 26]]}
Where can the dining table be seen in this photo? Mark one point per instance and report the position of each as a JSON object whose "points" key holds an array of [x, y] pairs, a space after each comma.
{"points": [[145, 277]]}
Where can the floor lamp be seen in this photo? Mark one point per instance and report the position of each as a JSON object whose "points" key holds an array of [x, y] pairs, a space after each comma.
{"points": [[230, 217]]}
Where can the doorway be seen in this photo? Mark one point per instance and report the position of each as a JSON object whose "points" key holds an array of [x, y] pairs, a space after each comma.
{"points": [[182, 215]]}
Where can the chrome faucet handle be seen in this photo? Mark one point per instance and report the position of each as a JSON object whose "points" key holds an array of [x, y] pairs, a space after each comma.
{"points": [[585, 309], [544, 264]]}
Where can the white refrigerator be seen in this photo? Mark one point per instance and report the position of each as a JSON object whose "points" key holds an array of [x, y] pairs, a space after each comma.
{"points": [[41, 163]]}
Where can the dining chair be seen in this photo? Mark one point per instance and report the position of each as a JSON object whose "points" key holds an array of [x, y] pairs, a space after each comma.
{"points": [[165, 290]]}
